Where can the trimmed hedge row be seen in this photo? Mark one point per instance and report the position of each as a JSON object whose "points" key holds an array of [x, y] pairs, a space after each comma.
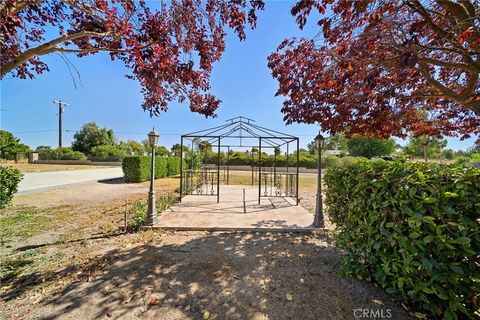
{"points": [[137, 168], [60, 154], [412, 228], [9, 180], [107, 153]]}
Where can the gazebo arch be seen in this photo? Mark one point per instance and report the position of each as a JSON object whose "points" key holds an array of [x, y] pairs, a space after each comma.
{"points": [[271, 182]]}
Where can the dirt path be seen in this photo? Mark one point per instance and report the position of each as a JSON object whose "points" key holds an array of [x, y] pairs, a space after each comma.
{"points": [[84, 268]]}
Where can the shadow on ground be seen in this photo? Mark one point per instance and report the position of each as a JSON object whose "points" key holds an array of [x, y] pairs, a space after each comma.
{"points": [[112, 181], [229, 275]]}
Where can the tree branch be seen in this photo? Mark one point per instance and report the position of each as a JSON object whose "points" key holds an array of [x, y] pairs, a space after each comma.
{"points": [[45, 48], [440, 63]]}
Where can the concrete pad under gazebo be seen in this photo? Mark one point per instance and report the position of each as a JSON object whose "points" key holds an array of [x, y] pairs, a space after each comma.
{"points": [[233, 214]]}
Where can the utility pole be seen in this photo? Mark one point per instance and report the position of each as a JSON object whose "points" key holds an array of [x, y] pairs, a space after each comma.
{"points": [[61, 108]]}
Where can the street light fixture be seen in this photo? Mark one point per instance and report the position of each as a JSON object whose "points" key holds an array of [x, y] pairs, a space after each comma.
{"points": [[318, 220], [152, 210]]}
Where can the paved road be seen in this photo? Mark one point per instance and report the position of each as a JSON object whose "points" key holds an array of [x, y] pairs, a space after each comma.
{"points": [[41, 181]]}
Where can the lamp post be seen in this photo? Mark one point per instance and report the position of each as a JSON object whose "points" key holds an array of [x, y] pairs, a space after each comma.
{"points": [[318, 219], [152, 210]]}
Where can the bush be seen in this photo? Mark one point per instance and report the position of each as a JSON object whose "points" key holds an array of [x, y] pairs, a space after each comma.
{"points": [[60, 154], [107, 153], [349, 160], [137, 168], [331, 161], [413, 229], [138, 213], [9, 180]]}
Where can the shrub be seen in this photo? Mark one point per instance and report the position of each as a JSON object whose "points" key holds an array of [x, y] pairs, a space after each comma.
{"points": [[413, 229], [137, 168], [60, 154], [138, 213], [108, 153], [331, 161], [349, 160], [9, 180]]}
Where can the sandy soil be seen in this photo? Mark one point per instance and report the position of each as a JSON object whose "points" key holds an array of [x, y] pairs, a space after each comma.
{"points": [[85, 268]]}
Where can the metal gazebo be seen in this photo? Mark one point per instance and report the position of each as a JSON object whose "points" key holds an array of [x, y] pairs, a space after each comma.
{"points": [[239, 132]]}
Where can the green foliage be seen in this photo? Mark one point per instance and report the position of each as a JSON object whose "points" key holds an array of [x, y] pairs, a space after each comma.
{"points": [[331, 161], [370, 147], [474, 149], [336, 142], [90, 136], [413, 229], [193, 160], [138, 213], [9, 180], [434, 146], [10, 145], [176, 149], [136, 147], [60, 154], [137, 168], [161, 151], [349, 160], [107, 153]]}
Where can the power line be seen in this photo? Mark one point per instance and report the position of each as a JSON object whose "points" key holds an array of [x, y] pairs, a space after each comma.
{"points": [[29, 113]]}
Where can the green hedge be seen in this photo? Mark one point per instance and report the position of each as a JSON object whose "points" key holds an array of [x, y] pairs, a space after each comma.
{"points": [[9, 180], [60, 154], [107, 153], [412, 228], [137, 168]]}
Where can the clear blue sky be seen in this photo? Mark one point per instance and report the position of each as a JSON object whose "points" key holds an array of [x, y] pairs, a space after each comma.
{"points": [[241, 80]]}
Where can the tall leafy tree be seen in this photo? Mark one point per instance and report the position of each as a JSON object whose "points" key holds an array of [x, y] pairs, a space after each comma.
{"points": [[370, 147], [169, 47], [424, 146], [136, 147], [10, 145], [375, 63], [91, 135]]}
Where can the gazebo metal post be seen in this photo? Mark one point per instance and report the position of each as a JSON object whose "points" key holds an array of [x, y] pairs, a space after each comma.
{"points": [[259, 169], [253, 165], [228, 165], [287, 155], [191, 167], [274, 166], [298, 163], [181, 167], [218, 171]]}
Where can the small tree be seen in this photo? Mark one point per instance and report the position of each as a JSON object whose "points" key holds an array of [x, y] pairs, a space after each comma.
{"points": [[137, 147], [367, 147], [91, 135], [10, 145], [426, 147], [176, 149], [161, 151]]}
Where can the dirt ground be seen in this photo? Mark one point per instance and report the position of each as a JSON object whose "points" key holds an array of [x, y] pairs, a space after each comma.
{"points": [[81, 266]]}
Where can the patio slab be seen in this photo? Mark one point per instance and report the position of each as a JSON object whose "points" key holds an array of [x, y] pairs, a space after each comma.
{"points": [[197, 212]]}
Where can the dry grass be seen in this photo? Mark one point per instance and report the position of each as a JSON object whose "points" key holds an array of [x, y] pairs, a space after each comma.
{"points": [[307, 180], [34, 167]]}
